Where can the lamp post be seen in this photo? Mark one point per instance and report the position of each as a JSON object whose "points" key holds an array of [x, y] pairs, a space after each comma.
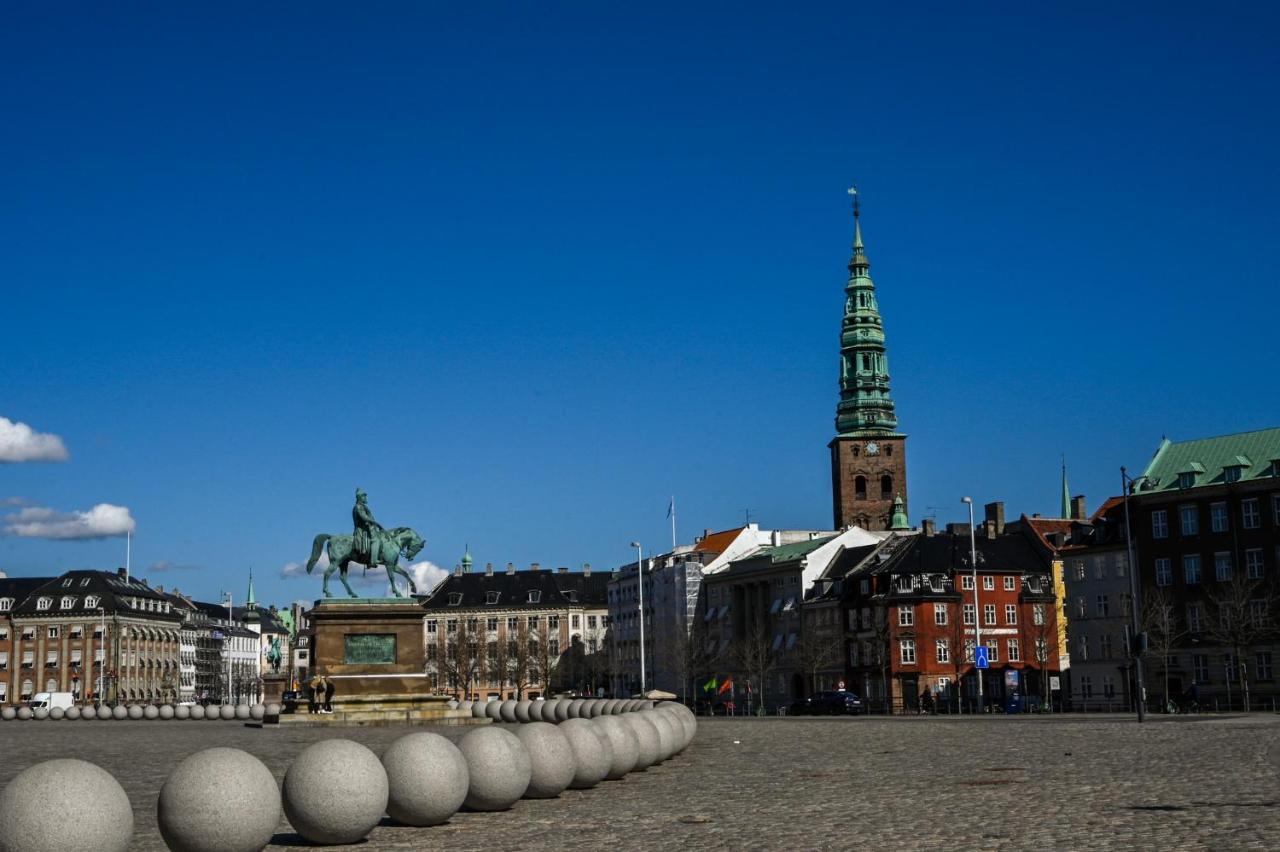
{"points": [[640, 580], [228, 643], [1135, 639], [102, 664], [977, 613]]}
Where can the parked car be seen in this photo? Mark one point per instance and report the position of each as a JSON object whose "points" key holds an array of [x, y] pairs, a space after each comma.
{"points": [[289, 702], [833, 703]]}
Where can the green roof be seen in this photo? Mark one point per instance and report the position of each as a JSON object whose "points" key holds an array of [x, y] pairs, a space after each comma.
{"points": [[789, 552], [1255, 453]]}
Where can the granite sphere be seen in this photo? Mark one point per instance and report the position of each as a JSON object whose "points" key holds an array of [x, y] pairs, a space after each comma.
{"points": [[452, 704], [647, 737], [499, 767], [427, 779], [595, 708], [575, 708], [624, 743], [57, 713], [227, 712], [88, 712], [611, 706], [167, 711], [120, 712], [151, 712], [183, 711], [134, 711], [508, 711], [594, 756], [478, 709], [241, 712], [65, 804], [546, 710], [668, 740], [535, 710], [494, 710], [552, 759], [522, 710], [40, 713], [219, 800], [8, 714], [465, 704], [74, 713], [24, 713], [562, 710], [272, 709], [335, 791], [258, 712]]}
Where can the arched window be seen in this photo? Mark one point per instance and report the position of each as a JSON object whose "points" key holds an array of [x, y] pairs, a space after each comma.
{"points": [[859, 488], [886, 487], [50, 685]]}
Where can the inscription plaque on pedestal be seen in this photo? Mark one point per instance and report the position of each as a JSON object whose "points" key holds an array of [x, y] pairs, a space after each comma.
{"points": [[370, 649]]}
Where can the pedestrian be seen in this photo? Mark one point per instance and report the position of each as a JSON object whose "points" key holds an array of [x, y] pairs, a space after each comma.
{"points": [[314, 687], [328, 695], [926, 701]]}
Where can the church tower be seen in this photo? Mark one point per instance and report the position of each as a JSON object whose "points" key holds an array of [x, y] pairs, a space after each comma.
{"points": [[868, 453]]}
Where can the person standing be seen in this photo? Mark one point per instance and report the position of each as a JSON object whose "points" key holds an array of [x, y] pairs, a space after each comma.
{"points": [[328, 695]]}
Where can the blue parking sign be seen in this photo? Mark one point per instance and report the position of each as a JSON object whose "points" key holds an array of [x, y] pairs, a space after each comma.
{"points": [[980, 658]]}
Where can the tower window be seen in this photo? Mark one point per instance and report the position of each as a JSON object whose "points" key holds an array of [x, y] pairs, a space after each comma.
{"points": [[886, 487], [860, 488], [888, 449]]}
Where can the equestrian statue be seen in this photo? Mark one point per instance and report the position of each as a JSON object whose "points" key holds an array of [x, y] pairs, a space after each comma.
{"points": [[369, 545]]}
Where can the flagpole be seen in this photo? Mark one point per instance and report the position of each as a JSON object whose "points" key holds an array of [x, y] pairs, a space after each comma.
{"points": [[673, 523], [128, 554]]}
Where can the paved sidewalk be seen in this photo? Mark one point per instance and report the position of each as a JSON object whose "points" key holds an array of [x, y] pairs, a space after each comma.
{"points": [[791, 783]]}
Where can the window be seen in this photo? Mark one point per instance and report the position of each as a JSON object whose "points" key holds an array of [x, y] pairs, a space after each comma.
{"points": [[571, 595], [1010, 613], [1104, 646], [1160, 524], [968, 650], [553, 622], [591, 622], [1164, 572], [1258, 613], [44, 603], [455, 598], [535, 596], [6, 604], [1082, 609], [1229, 667], [993, 652], [970, 615], [431, 626], [1077, 568], [1015, 650], [1193, 617], [940, 614], [1275, 498], [988, 583], [553, 646], [1191, 568], [1122, 564], [1250, 515], [575, 621], [491, 598], [28, 633], [472, 624], [942, 648], [886, 487], [904, 583], [492, 624], [1218, 517], [1187, 479], [1010, 584], [1102, 606], [91, 602], [966, 582], [68, 602], [1222, 566], [4, 662], [1100, 568], [1253, 563], [1037, 614], [859, 488], [906, 616], [1262, 666], [77, 631], [534, 620], [1083, 648], [907, 650], [1188, 520], [1200, 668], [451, 626], [989, 614]]}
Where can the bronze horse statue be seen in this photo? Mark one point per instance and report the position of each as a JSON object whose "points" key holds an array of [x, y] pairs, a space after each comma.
{"points": [[394, 542]]}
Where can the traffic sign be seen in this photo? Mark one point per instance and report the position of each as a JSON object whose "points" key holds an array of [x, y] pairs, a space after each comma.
{"points": [[980, 657]]}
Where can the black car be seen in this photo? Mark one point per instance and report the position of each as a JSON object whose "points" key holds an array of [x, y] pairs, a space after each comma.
{"points": [[833, 703]]}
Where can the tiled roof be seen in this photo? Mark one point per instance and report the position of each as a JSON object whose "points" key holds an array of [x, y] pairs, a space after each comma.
{"points": [[556, 589], [1254, 452], [717, 542], [110, 588], [945, 554]]}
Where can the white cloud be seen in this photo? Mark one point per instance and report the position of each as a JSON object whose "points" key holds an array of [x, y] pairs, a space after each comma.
{"points": [[20, 443], [102, 521], [299, 569], [13, 502], [427, 575], [165, 565]]}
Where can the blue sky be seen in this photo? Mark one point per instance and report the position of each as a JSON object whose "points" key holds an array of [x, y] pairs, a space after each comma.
{"points": [[523, 272]]}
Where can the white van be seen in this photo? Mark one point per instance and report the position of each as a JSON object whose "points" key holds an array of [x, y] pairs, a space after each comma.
{"points": [[50, 700]]}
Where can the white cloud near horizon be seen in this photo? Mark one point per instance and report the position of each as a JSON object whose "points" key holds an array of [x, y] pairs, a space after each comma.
{"points": [[426, 574], [165, 565], [102, 521], [20, 443]]}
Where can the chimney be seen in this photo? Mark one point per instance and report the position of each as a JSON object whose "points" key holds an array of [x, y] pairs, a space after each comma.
{"points": [[120, 572], [989, 529], [457, 570], [511, 567], [929, 527], [535, 566], [562, 569], [1077, 507], [160, 589], [586, 569], [706, 533], [994, 513], [488, 569]]}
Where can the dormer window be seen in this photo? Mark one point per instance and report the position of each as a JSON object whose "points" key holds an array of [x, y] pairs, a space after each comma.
{"points": [[904, 583], [1232, 473], [455, 598], [68, 603], [66, 583], [570, 595], [6, 604], [44, 603], [91, 601], [535, 596], [491, 598], [1187, 480], [84, 582]]}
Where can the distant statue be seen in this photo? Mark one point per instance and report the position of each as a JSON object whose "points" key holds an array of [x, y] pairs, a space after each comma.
{"points": [[370, 545], [273, 654]]}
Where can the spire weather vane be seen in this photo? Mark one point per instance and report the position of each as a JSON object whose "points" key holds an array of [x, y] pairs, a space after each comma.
{"points": [[853, 191]]}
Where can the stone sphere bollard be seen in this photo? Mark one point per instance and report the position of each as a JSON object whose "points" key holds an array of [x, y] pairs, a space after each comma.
{"points": [[166, 712], [465, 704], [88, 712], [596, 708], [335, 792], [562, 710], [624, 743], [508, 711], [57, 713], [493, 710], [273, 709], [213, 713], [40, 713], [227, 712], [119, 712], [24, 713], [241, 712], [535, 710], [73, 713], [219, 800], [452, 704], [575, 708], [593, 756], [151, 712], [183, 711], [197, 711], [258, 712], [499, 766], [8, 714], [427, 779], [647, 736], [478, 709], [545, 711], [522, 710], [610, 707], [65, 804], [668, 740], [551, 757], [133, 711]]}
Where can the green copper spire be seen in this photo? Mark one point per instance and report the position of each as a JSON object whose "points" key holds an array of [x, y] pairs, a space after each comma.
{"points": [[865, 406], [1066, 492], [250, 601], [466, 559], [899, 515]]}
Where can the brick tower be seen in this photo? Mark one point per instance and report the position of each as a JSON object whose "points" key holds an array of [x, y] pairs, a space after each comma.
{"points": [[868, 453]]}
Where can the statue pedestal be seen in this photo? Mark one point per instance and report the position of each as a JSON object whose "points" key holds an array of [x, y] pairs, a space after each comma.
{"points": [[274, 686], [372, 651]]}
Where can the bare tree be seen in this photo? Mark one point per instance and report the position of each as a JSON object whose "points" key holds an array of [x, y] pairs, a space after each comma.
{"points": [[520, 668], [545, 655], [878, 647], [1044, 638], [1239, 618], [597, 661], [686, 654], [462, 657], [820, 646], [1164, 630], [753, 653], [500, 661]]}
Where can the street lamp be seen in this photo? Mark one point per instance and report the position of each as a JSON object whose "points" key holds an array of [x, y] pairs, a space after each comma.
{"points": [[640, 580], [977, 612], [103, 645], [1135, 640]]}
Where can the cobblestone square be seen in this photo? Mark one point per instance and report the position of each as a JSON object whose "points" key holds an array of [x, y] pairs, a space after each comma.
{"points": [[996, 783]]}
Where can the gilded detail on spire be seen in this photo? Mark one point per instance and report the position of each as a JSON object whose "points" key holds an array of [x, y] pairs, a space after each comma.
{"points": [[865, 405]]}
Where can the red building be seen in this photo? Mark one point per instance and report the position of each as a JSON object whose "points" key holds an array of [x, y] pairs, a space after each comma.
{"points": [[914, 617]]}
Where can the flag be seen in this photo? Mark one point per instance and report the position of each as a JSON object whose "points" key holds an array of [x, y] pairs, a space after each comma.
{"points": [[726, 686], [710, 686], [671, 507]]}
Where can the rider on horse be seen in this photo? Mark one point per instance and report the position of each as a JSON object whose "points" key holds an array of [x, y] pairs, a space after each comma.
{"points": [[368, 532]]}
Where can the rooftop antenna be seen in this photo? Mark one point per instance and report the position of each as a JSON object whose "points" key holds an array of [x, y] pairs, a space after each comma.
{"points": [[128, 554]]}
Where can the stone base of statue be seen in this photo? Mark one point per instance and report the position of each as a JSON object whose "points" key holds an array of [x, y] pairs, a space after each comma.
{"points": [[371, 650], [274, 686]]}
